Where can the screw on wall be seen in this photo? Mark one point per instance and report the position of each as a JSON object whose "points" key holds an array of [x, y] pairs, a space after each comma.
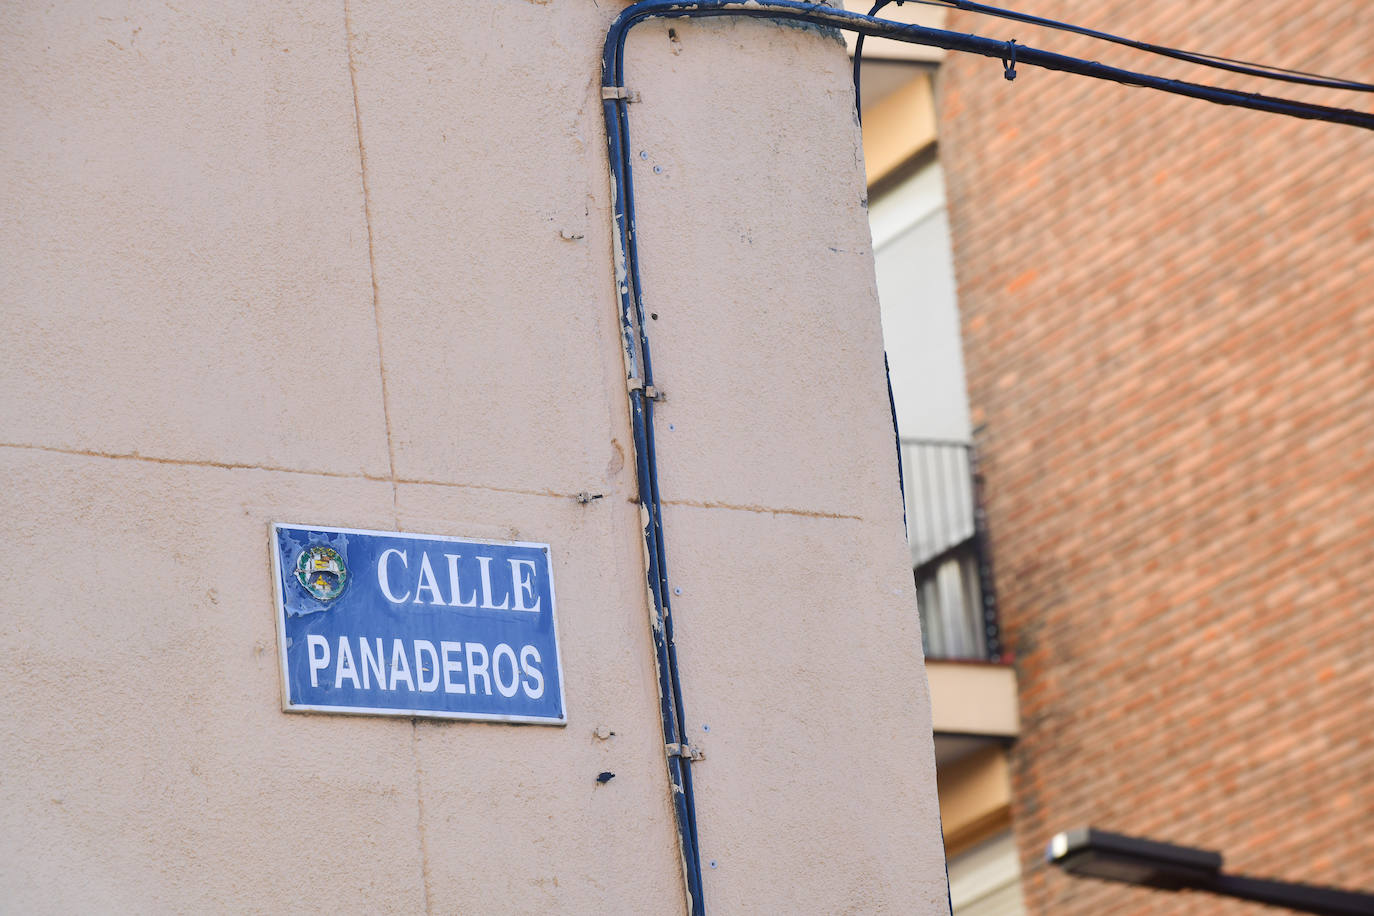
{"points": [[604, 777], [585, 497]]}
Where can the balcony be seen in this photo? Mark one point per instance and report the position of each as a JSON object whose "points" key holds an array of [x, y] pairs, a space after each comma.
{"points": [[973, 700], [949, 552]]}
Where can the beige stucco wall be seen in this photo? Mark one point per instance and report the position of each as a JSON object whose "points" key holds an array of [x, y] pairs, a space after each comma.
{"points": [[349, 264]]}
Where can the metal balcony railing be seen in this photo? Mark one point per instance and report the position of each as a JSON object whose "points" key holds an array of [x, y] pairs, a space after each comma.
{"points": [[946, 529]]}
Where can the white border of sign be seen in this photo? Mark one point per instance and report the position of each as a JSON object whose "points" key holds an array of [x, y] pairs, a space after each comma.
{"points": [[288, 706]]}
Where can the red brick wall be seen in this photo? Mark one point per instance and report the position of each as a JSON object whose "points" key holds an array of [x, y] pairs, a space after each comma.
{"points": [[1168, 315]]}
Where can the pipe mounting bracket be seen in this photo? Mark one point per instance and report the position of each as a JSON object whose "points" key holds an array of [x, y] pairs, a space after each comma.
{"points": [[686, 751], [651, 392]]}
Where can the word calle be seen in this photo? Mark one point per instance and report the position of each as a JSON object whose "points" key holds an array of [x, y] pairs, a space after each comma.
{"points": [[393, 567]]}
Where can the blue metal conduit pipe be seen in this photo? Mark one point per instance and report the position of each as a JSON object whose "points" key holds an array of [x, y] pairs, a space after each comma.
{"points": [[638, 364]]}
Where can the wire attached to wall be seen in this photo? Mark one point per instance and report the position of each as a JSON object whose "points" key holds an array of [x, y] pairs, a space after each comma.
{"points": [[635, 339]]}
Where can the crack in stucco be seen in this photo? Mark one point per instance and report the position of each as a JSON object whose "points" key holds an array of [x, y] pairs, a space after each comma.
{"points": [[767, 510], [371, 251], [277, 469], [425, 872], [350, 42], [185, 462]]}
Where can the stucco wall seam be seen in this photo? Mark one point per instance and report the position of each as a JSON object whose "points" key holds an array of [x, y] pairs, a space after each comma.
{"points": [[421, 840], [766, 510], [371, 249], [184, 462], [426, 873], [244, 466]]}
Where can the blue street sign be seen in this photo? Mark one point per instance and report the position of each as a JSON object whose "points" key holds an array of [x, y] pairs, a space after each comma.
{"points": [[393, 624]]}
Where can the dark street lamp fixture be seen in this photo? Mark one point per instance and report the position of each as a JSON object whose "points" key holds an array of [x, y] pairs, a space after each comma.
{"points": [[1090, 853]]}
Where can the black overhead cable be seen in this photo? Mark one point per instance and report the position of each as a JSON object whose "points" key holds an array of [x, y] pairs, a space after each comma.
{"points": [[1009, 52], [1249, 68], [1233, 65], [859, 57]]}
